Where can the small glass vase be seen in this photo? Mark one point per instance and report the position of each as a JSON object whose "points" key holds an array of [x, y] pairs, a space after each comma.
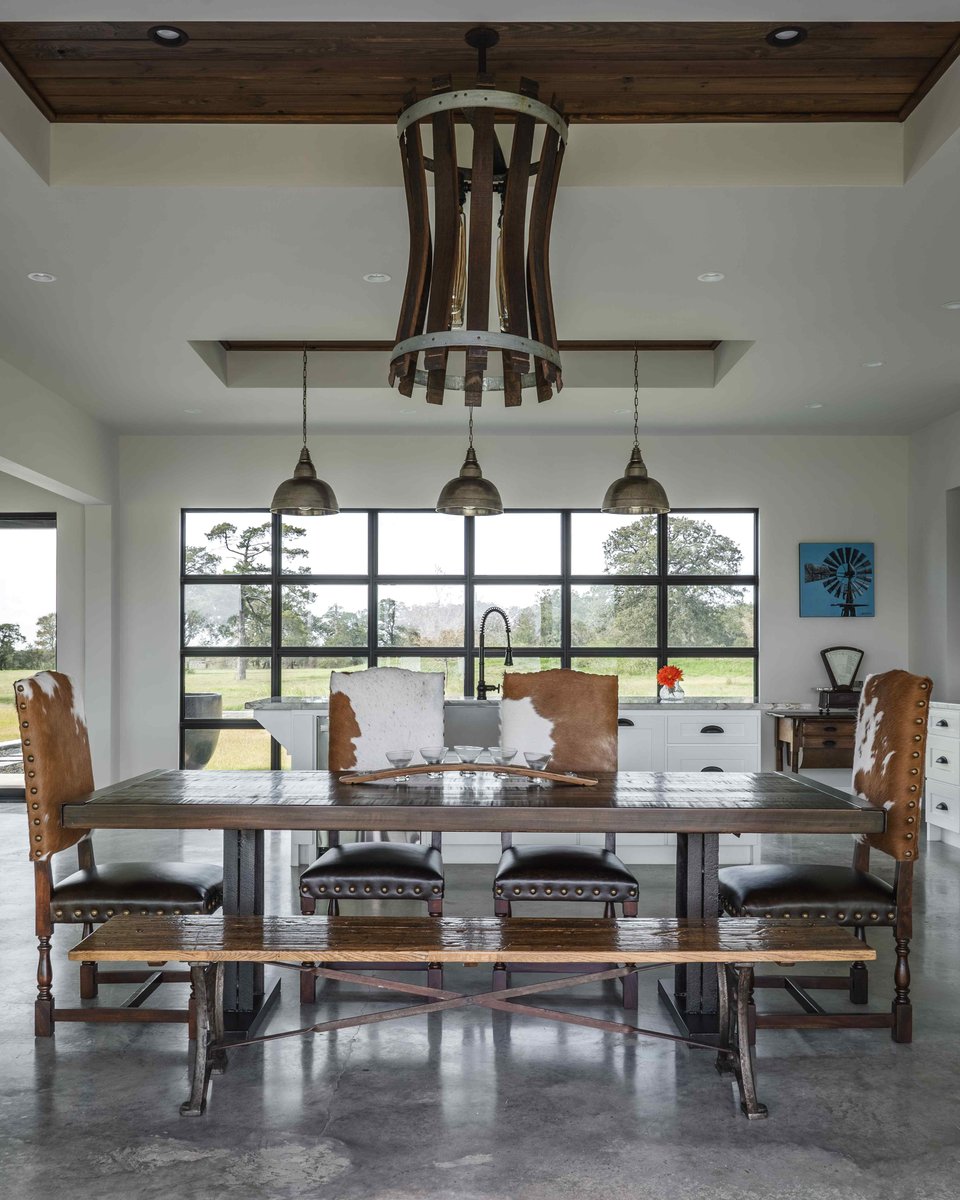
{"points": [[670, 695]]}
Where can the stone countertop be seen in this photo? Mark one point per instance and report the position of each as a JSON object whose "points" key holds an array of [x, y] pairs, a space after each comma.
{"points": [[301, 703]]}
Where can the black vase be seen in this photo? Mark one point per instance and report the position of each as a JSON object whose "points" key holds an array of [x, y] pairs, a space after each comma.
{"points": [[199, 744]]}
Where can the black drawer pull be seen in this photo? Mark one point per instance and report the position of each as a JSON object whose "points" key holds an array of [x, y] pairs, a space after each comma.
{"points": [[624, 722], [941, 759], [829, 743], [829, 729], [941, 724], [942, 807], [713, 729], [720, 769]]}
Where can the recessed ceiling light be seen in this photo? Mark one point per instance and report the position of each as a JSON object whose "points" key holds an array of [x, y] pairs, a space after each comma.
{"points": [[376, 277], [786, 35], [814, 406], [42, 277], [168, 35], [711, 277], [951, 304], [878, 363]]}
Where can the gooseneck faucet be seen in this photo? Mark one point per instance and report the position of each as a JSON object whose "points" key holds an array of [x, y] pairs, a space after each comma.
{"points": [[482, 686]]}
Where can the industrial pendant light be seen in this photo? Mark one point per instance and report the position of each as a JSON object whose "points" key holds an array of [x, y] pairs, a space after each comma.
{"points": [[635, 492], [469, 494], [305, 495]]}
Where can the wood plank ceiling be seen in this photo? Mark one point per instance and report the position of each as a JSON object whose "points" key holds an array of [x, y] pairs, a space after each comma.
{"points": [[360, 72]]}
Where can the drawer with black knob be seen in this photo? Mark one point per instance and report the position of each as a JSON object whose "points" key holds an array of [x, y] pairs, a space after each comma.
{"points": [[713, 760], [943, 806], [943, 759], [944, 721], [724, 727]]}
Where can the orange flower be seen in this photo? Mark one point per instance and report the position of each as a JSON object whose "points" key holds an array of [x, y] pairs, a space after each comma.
{"points": [[669, 676]]}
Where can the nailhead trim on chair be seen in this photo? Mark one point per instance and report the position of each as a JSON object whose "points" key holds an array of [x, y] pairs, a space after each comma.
{"points": [[804, 916]]}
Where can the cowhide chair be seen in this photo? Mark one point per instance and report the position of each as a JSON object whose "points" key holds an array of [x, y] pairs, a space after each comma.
{"points": [[573, 715], [371, 712], [57, 770], [888, 772]]}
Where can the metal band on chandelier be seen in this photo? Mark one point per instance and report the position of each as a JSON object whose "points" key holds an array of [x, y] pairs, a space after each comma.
{"points": [[451, 275]]}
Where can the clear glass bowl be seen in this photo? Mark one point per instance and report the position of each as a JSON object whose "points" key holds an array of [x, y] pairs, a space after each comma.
{"points": [[433, 754], [398, 759], [468, 754], [536, 760], [503, 755]]}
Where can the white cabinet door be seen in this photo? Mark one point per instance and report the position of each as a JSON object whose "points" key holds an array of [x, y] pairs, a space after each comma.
{"points": [[641, 741]]}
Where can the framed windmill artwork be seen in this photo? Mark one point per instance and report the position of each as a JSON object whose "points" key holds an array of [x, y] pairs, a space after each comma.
{"points": [[836, 579]]}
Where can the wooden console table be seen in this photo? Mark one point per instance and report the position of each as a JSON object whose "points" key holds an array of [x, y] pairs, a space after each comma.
{"points": [[831, 735]]}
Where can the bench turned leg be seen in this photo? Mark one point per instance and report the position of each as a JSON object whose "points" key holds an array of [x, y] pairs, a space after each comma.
{"points": [[501, 977], [631, 991], [202, 1064], [750, 1106]]}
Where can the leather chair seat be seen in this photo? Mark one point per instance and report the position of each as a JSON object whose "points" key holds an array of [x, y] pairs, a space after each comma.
{"points": [[807, 893], [563, 873], [375, 869], [138, 888]]}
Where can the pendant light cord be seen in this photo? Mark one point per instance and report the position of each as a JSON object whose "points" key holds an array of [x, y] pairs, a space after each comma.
{"points": [[636, 395], [304, 395]]}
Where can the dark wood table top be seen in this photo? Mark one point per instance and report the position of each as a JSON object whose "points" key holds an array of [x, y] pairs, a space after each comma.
{"points": [[622, 802]]}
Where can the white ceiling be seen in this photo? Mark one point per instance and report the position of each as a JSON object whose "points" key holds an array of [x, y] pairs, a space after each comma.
{"points": [[820, 279]]}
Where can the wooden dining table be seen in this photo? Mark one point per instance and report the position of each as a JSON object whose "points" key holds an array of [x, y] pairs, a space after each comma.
{"points": [[697, 807]]}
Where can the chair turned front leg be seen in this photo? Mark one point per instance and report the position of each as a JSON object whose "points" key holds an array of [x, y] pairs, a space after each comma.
{"points": [[435, 908], [501, 907], [631, 908], [43, 1018], [902, 1028]]}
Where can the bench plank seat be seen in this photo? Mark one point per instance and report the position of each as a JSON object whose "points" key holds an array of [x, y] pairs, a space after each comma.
{"points": [[467, 940]]}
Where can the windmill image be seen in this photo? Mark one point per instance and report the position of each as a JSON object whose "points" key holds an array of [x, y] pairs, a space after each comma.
{"points": [[846, 572]]}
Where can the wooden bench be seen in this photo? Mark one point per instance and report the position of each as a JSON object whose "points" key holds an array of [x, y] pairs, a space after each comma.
{"points": [[311, 943]]}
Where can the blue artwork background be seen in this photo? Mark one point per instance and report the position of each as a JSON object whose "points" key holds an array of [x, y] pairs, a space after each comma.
{"points": [[815, 599]]}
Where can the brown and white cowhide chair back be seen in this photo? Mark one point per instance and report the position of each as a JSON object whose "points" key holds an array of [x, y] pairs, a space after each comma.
{"points": [[381, 709], [571, 714], [58, 770], [888, 772]]}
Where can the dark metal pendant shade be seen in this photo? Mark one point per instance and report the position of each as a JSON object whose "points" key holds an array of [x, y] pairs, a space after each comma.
{"points": [[469, 494], [305, 495], [447, 297], [635, 491]]}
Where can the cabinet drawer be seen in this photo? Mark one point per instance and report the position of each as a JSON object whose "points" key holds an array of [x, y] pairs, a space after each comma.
{"points": [[827, 741], [944, 722], [943, 807], [943, 759], [640, 742], [707, 759], [712, 729]]}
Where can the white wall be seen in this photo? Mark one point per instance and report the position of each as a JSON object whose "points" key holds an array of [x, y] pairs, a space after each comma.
{"points": [[806, 489], [934, 565], [83, 632]]}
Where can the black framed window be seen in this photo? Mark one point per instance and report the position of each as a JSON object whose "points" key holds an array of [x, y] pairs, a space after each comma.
{"points": [[271, 605], [28, 624]]}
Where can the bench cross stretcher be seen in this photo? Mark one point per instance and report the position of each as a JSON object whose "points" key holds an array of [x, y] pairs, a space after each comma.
{"points": [[613, 948]]}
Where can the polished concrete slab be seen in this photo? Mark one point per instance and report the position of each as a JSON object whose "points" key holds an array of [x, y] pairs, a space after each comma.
{"points": [[470, 1105]]}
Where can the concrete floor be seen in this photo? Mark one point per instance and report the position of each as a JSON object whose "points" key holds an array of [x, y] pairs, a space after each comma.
{"points": [[476, 1106]]}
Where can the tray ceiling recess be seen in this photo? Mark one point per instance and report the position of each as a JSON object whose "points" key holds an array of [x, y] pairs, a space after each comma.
{"points": [[342, 72]]}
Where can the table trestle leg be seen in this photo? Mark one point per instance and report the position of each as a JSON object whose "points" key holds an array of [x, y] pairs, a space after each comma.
{"points": [[206, 994], [750, 1106]]}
